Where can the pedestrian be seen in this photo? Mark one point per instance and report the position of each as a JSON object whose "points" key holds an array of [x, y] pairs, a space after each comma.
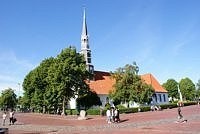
{"points": [[180, 116], [112, 111], [11, 117], [116, 115], [108, 115], [4, 118]]}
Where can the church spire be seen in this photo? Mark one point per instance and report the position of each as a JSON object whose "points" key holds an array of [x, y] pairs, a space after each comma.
{"points": [[84, 29], [85, 49]]}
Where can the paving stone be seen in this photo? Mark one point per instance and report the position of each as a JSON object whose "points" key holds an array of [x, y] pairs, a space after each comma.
{"points": [[144, 122]]}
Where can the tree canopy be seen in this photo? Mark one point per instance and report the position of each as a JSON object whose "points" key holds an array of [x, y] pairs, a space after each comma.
{"points": [[129, 86], [187, 88], [55, 81], [8, 99], [87, 98], [35, 86], [172, 87]]}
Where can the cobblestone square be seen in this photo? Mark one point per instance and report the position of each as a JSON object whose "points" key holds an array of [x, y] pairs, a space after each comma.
{"points": [[157, 122]]}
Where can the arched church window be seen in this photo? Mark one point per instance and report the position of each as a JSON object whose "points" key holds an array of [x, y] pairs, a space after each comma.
{"points": [[88, 54], [89, 60], [91, 69]]}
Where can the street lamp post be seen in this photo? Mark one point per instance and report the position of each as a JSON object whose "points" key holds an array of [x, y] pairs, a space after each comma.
{"points": [[180, 95], [19, 90]]}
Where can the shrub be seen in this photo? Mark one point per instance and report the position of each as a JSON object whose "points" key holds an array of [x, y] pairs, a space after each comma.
{"points": [[190, 103], [128, 110], [144, 109], [122, 109], [93, 111], [71, 112]]}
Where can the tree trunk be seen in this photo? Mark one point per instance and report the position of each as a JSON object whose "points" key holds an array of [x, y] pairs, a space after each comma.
{"points": [[63, 107]]}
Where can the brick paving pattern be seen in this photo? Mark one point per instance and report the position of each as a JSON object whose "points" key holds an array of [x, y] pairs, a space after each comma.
{"points": [[157, 122]]}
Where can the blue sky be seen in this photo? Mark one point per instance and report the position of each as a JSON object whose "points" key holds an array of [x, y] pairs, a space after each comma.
{"points": [[162, 36]]}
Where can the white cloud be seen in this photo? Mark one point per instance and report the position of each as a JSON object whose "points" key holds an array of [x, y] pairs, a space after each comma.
{"points": [[178, 47], [11, 58], [12, 70]]}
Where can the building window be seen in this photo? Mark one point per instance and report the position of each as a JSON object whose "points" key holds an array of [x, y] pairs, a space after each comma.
{"points": [[91, 69], [88, 54], [89, 60], [160, 97], [164, 97], [154, 97]]}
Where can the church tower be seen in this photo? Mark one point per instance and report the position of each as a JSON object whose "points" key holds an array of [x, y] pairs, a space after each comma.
{"points": [[85, 49]]}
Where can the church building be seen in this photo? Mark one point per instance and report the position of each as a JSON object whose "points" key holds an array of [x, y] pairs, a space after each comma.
{"points": [[102, 83]]}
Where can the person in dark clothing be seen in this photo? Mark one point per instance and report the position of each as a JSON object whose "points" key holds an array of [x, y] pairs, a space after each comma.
{"points": [[180, 116], [116, 113]]}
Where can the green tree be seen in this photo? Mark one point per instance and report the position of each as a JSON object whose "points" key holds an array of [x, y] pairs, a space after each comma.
{"points": [[129, 86], [55, 81], [87, 98], [8, 99], [39, 97], [29, 89], [172, 87], [67, 75], [187, 88], [35, 85]]}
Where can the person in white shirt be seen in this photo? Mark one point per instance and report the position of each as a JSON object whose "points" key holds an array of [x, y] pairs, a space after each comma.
{"points": [[4, 118], [108, 115], [11, 117]]}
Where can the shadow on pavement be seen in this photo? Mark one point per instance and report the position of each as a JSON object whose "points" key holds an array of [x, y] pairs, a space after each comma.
{"points": [[123, 120]]}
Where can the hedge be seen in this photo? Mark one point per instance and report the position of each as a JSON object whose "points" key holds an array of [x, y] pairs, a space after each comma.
{"points": [[127, 110]]}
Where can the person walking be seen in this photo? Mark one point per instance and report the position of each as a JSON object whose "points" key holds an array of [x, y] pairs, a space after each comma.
{"points": [[112, 112], [180, 116], [11, 115], [4, 118], [108, 115], [117, 115]]}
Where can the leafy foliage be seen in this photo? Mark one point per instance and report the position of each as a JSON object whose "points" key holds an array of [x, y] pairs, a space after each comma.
{"points": [[129, 86], [55, 81], [187, 88], [68, 74], [87, 98], [8, 99], [35, 86], [172, 87]]}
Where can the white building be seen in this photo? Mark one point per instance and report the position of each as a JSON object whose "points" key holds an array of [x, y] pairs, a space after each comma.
{"points": [[102, 83]]}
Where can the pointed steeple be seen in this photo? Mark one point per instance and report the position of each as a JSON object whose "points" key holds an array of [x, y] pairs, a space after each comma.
{"points": [[84, 29], [85, 49], [84, 35]]}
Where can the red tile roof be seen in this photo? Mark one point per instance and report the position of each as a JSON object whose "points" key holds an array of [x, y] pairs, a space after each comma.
{"points": [[149, 79], [103, 83]]}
